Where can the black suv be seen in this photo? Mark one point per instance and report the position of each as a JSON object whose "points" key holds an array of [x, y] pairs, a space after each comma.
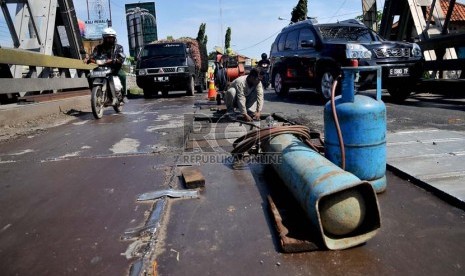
{"points": [[306, 54]]}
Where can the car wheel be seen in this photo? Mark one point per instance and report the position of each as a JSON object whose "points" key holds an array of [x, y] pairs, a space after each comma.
{"points": [[279, 87], [164, 93], [199, 89], [325, 84], [148, 93], [399, 94], [190, 87], [203, 85]]}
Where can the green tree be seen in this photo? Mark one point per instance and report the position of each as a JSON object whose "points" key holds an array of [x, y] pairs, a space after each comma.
{"points": [[201, 33], [202, 40], [130, 60], [227, 39], [299, 12], [212, 55]]}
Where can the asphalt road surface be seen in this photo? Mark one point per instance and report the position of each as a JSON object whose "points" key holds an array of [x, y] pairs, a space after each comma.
{"points": [[69, 193]]}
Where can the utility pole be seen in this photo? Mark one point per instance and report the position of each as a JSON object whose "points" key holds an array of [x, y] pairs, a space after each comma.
{"points": [[88, 14], [221, 23], [109, 8], [370, 14]]}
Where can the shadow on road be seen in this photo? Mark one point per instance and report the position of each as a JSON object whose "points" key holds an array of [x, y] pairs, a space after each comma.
{"points": [[309, 97], [446, 100]]}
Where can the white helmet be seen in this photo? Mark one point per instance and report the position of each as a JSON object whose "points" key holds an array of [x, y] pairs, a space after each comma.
{"points": [[109, 32]]}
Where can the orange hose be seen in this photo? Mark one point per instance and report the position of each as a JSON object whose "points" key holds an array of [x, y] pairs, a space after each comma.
{"points": [[338, 128]]}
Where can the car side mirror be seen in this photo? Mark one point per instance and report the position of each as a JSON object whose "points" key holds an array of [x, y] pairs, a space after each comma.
{"points": [[307, 43]]}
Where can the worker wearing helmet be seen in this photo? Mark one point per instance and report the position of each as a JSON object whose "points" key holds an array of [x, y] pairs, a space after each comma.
{"points": [[264, 62], [115, 55], [264, 67]]}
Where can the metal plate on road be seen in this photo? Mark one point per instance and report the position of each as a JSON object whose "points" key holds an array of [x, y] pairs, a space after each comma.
{"points": [[434, 157]]}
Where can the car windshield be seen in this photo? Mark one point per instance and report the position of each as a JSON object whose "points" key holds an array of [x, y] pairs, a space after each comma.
{"points": [[169, 49], [346, 33]]}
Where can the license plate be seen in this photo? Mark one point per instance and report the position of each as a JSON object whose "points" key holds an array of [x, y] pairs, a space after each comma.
{"points": [[98, 74], [399, 72], [161, 79]]}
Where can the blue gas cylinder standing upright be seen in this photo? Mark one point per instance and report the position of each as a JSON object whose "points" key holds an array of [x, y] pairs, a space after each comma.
{"points": [[362, 121]]}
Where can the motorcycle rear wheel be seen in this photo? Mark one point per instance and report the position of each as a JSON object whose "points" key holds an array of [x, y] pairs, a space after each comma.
{"points": [[97, 102]]}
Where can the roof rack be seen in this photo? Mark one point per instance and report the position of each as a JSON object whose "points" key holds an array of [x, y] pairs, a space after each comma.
{"points": [[351, 21], [309, 20]]}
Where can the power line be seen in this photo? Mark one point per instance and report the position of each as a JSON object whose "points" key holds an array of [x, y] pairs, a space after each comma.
{"points": [[349, 13], [260, 41], [280, 31], [340, 7]]}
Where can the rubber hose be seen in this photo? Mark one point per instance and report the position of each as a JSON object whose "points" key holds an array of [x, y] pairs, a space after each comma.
{"points": [[338, 128], [252, 138]]}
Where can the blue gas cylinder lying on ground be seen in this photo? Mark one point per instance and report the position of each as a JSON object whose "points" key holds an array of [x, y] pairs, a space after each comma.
{"points": [[362, 121]]}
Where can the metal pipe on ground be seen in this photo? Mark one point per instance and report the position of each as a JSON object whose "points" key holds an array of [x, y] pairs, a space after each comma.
{"points": [[341, 206]]}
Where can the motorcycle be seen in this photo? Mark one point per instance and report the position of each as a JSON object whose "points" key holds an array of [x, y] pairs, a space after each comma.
{"points": [[265, 68], [106, 88]]}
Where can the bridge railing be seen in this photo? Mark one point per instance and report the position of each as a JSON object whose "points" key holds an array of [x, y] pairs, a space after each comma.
{"points": [[58, 75], [439, 44]]}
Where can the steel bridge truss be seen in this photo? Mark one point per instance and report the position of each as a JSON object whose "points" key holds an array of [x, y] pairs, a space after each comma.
{"points": [[47, 48], [424, 22]]}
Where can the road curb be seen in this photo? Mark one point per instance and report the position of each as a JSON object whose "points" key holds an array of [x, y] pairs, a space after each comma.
{"points": [[20, 113]]}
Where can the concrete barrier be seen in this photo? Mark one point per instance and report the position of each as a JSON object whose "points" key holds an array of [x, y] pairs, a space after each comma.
{"points": [[13, 114]]}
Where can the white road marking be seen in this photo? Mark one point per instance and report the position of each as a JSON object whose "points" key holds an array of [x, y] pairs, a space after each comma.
{"points": [[127, 145], [175, 124], [72, 154], [80, 123], [22, 152]]}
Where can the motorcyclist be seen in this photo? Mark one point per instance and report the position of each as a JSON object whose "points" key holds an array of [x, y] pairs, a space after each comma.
{"points": [[264, 61], [115, 56], [263, 66]]}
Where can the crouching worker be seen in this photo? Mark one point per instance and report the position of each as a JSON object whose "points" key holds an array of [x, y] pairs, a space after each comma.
{"points": [[246, 93]]}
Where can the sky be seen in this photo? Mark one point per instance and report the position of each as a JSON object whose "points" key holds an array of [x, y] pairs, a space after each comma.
{"points": [[254, 23]]}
